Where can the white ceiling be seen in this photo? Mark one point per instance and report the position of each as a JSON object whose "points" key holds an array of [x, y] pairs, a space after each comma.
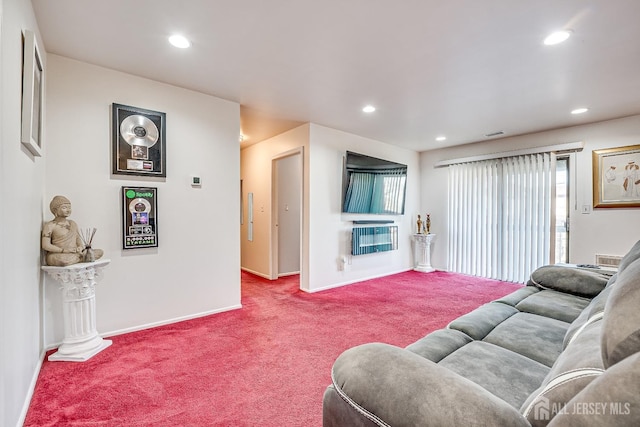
{"points": [[460, 68]]}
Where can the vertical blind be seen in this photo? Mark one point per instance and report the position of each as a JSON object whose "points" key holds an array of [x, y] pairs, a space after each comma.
{"points": [[500, 216]]}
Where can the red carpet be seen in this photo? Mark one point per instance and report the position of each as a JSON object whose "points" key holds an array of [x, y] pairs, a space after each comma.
{"points": [[266, 364]]}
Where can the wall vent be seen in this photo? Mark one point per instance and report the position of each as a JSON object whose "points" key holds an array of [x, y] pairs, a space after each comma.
{"points": [[608, 260], [492, 134]]}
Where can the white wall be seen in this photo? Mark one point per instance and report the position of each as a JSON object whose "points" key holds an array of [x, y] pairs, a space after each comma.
{"points": [[603, 231], [21, 186], [195, 269], [329, 235]]}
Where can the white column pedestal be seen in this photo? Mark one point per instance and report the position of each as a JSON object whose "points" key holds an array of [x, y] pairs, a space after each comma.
{"points": [[81, 340], [422, 252]]}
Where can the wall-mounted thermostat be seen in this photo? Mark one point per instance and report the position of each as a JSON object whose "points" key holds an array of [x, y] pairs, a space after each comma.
{"points": [[196, 182]]}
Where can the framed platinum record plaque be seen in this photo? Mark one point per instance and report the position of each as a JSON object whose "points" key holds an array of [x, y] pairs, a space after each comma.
{"points": [[138, 141], [139, 217]]}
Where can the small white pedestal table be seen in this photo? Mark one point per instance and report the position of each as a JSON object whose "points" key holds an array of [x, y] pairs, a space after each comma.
{"points": [[423, 252], [81, 339]]}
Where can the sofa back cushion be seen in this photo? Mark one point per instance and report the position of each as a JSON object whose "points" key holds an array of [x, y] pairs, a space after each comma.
{"points": [[621, 327], [578, 365], [593, 312], [612, 399], [630, 257]]}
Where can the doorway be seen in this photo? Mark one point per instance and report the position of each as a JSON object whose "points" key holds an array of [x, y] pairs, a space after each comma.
{"points": [[287, 176]]}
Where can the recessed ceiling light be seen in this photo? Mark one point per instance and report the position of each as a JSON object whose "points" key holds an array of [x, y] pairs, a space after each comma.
{"points": [[579, 111], [557, 37], [179, 41], [369, 109], [441, 138]]}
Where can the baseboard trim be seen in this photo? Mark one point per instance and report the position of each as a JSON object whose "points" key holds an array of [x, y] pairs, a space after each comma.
{"points": [[156, 324], [291, 273], [31, 390], [350, 282], [169, 321], [255, 273]]}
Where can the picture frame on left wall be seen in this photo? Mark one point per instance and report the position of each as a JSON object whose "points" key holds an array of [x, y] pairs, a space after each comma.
{"points": [[32, 94]]}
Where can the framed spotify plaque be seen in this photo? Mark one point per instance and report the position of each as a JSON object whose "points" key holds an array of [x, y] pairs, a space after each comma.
{"points": [[139, 217], [139, 146]]}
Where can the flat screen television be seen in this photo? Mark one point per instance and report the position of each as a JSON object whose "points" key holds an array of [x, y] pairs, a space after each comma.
{"points": [[373, 186]]}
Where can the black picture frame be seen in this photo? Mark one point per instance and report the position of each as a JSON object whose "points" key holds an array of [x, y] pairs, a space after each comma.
{"points": [[138, 141], [139, 217]]}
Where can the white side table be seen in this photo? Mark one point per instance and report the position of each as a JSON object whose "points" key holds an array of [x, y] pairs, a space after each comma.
{"points": [[423, 252], [81, 339]]}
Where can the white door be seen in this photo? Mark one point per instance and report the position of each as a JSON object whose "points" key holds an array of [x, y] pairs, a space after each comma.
{"points": [[288, 199]]}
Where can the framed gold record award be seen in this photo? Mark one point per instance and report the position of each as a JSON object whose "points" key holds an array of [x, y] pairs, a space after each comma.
{"points": [[138, 141]]}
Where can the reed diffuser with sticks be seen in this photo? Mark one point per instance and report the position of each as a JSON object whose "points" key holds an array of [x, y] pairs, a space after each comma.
{"points": [[87, 237]]}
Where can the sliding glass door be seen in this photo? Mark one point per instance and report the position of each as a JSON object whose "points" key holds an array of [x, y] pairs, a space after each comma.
{"points": [[562, 210], [502, 216]]}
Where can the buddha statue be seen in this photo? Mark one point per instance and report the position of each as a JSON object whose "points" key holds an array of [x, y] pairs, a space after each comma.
{"points": [[61, 239]]}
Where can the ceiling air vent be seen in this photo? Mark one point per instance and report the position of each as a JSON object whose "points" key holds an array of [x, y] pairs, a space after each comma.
{"points": [[608, 260], [491, 135]]}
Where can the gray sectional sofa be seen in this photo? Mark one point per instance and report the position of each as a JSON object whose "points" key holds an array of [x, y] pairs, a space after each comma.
{"points": [[562, 351]]}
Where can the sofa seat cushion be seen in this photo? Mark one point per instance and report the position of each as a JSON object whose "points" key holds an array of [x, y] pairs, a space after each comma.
{"points": [[439, 344], [578, 365], [537, 337], [515, 297], [508, 375], [483, 319], [391, 386], [554, 304]]}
